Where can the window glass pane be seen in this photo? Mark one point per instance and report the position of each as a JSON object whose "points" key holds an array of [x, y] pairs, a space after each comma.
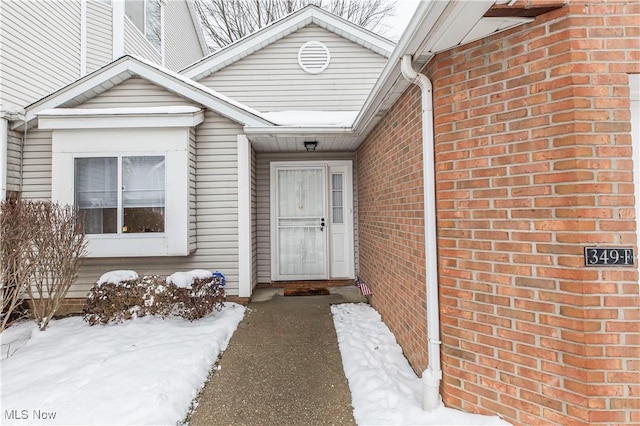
{"points": [[337, 197], [96, 182], [153, 23], [134, 9], [143, 194]]}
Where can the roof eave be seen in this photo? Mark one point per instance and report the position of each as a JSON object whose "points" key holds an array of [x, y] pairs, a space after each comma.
{"points": [[134, 66], [280, 29], [436, 26]]}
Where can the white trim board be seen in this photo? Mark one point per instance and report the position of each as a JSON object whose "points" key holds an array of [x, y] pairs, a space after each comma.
{"points": [[127, 66], [634, 86]]}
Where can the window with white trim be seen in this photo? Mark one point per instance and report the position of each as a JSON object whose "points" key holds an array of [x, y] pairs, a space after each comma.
{"points": [[146, 15], [128, 171], [124, 194]]}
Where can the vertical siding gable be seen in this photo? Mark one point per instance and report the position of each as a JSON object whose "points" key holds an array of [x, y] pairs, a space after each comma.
{"points": [[271, 79]]}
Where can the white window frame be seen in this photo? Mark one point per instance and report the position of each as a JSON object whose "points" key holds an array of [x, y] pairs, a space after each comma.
{"points": [[166, 134], [119, 188], [145, 27]]}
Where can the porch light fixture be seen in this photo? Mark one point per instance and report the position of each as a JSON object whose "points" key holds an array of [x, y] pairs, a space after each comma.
{"points": [[311, 145]]}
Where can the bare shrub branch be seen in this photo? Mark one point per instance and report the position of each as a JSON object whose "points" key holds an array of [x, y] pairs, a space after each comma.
{"points": [[40, 255], [16, 265]]}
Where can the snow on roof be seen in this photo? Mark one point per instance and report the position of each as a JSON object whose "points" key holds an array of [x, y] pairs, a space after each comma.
{"points": [[183, 109], [311, 118]]}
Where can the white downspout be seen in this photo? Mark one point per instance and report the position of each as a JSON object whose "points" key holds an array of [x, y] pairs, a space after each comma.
{"points": [[432, 376]]}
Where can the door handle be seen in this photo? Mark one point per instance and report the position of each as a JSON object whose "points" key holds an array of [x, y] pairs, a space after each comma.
{"points": [[322, 224]]}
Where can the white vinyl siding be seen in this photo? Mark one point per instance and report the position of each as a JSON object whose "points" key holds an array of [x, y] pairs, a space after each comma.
{"points": [[216, 221], [263, 212], [135, 43], [213, 184], [258, 79], [99, 35], [36, 170], [32, 64], [135, 92], [14, 143], [182, 46]]}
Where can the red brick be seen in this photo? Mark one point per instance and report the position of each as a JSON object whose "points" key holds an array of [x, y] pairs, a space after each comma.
{"points": [[533, 156]]}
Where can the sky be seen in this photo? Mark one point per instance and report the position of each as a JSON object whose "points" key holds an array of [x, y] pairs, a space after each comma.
{"points": [[398, 23]]}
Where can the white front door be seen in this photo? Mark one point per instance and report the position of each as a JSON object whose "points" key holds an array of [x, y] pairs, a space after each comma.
{"points": [[301, 212], [312, 221]]}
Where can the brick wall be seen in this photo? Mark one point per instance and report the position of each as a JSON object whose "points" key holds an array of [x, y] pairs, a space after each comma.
{"points": [[533, 163], [391, 224]]}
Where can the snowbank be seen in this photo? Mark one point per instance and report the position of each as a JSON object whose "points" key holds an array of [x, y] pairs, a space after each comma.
{"points": [[185, 279], [384, 388]]}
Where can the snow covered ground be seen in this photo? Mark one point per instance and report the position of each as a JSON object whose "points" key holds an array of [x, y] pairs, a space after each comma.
{"points": [[384, 388], [143, 371], [148, 370]]}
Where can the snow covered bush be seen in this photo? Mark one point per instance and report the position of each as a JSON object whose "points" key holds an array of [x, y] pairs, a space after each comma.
{"points": [[122, 295], [41, 250], [204, 292]]}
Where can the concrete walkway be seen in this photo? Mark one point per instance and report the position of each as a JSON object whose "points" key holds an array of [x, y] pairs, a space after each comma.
{"points": [[282, 366]]}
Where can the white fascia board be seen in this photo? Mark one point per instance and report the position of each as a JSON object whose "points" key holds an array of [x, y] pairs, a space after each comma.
{"points": [[52, 121], [424, 18], [77, 88], [177, 84], [435, 26], [298, 131], [457, 21], [362, 36], [281, 29], [488, 26]]}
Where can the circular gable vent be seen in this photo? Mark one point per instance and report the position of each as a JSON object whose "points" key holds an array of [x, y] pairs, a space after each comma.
{"points": [[314, 57]]}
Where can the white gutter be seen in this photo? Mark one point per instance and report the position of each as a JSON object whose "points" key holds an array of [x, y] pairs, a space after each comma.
{"points": [[432, 376]]}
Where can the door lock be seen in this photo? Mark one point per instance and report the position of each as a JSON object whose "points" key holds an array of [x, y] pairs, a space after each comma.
{"points": [[322, 224]]}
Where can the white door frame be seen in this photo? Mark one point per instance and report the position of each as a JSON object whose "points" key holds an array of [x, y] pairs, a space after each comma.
{"points": [[343, 166], [634, 85]]}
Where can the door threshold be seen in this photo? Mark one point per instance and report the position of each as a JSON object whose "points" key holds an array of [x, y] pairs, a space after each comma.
{"points": [[306, 283]]}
